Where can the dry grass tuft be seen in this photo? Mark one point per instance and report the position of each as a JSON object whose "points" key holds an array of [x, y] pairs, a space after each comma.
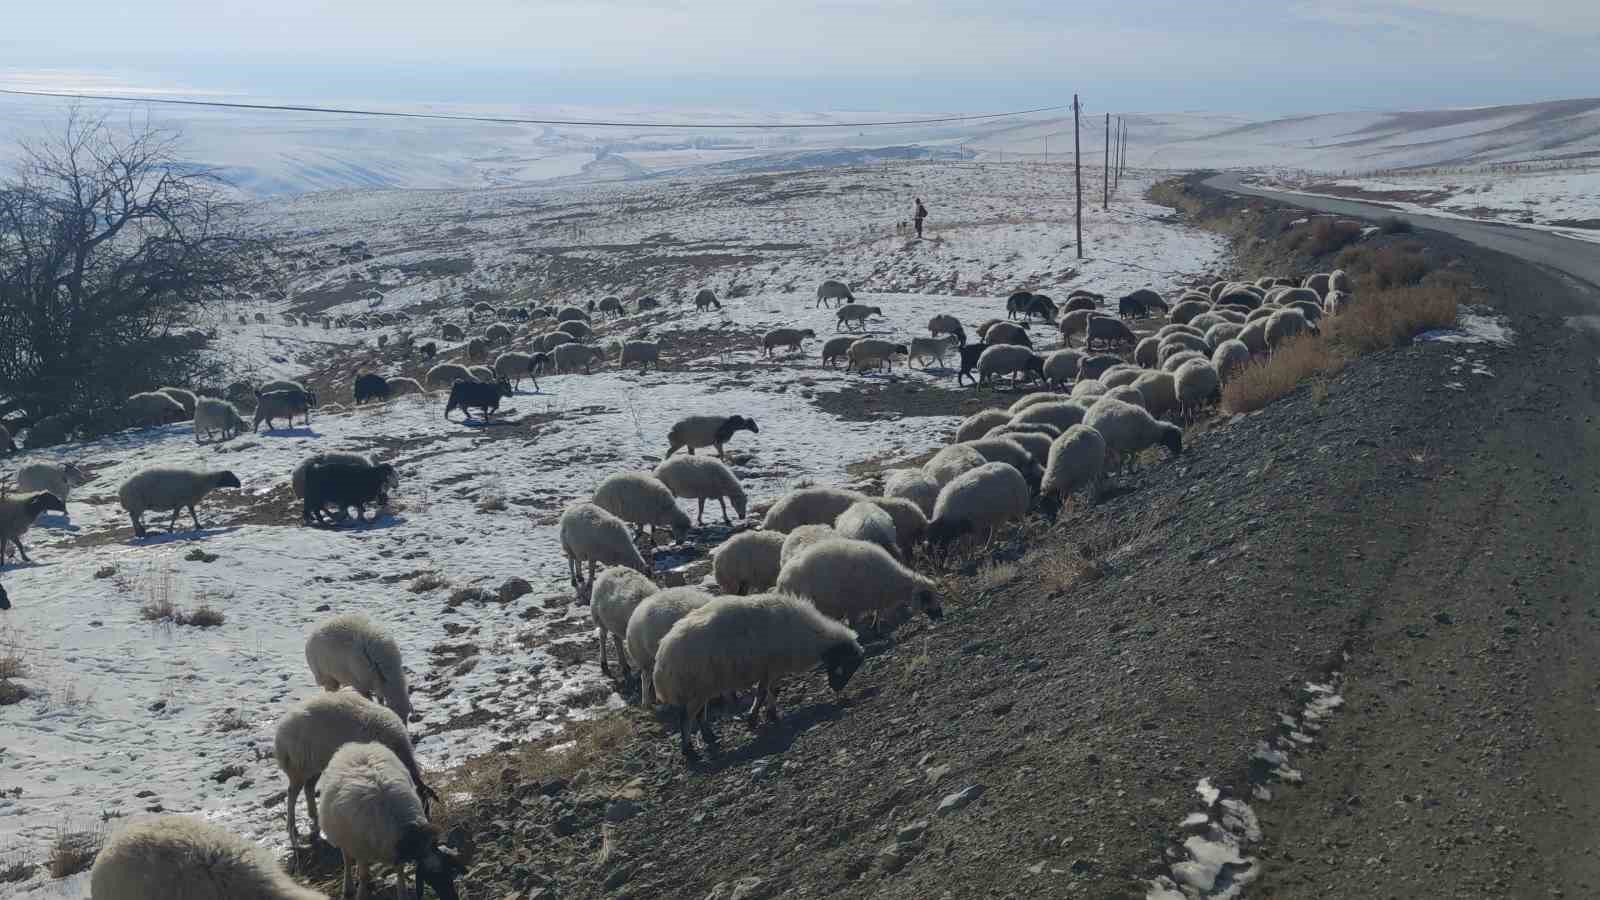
{"points": [[996, 576], [1264, 381], [1381, 319], [1395, 225], [12, 664], [14, 869], [162, 593], [1324, 235], [74, 851], [427, 581], [1398, 266], [203, 616]]}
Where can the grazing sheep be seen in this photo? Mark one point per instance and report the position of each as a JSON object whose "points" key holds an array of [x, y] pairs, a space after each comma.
{"points": [[1175, 343], [477, 349], [1076, 322], [873, 350], [1337, 302], [978, 424], [590, 534], [579, 330], [692, 432], [1006, 333], [643, 354], [57, 478], [1262, 312], [1128, 429], [50, 431], [297, 479], [1119, 375], [273, 405], [1126, 393], [1109, 331], [616, 592], [571, 314], [834, 290], [785, 337], [1012, 453], [1061, 367], [185, 398], [1285, 324], [611, 306], [748, 561], [1158, 391], [1189, 329], [446, 374], [1088, 389], [809, 506], [571, 357], [1037, 443], [1015, 427], [1082, 300], [1197, 384], [369, 386], [642, 499], [1009, 359], [373, 815], [1145, 352], [514, 366], [1077, 460], [801, 539], [650, 623], [187, 858], [429, 350], [943, 324], [1186, 310], [1243, 298], [470, 395], [1031, 399], [733, 642], [346, 485], [857, 313], [950, 463], [835, 349], [924, 349], [353, 650], [1318, 283], [910, 522], [866, 521], [1222, 331], [847, 579], [549, 342], [706, 299], [986, 497], [169, 487], [151, 409], [913, 485], [648, 303], [703, 478], [17, 512], [1017, 304], [1062, 414], [313, 730], [1175, 360], [1133, 306], [986, 324], [1254, 336], [1229, 358]]}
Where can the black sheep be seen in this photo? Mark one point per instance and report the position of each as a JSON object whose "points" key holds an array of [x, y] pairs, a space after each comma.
{"points": [[969, 361], [5, 601], [1018, 303], [346, 485], [1043, 307], [470, 395], [371, 387], [1131, 307], [429, 349], [1081, 301]]}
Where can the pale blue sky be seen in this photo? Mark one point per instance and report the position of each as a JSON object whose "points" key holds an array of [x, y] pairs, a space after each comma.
{"points": [[1251, 56]]}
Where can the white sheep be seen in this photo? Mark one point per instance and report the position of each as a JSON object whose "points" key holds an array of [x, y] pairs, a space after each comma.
{"points": [[978, 424], [616, 592], [799, 540], [1088, 388], [1061, 366], [590, 534], [185, 398], [1285, 324], [836, 348], [866, 521], [311, 731], [1127, 393], [512, 365], [1128, 429], [644, 354], [951, 462], [913, 485], [572, 357], [152, 408], [1177, 360], [1145, 352], [400, 387], [1254, 335], [1159, 391], [170, 487], [446, 374], [748, 561], [878, 353], [1009, 359], [211, 414], [572, 314], [849, 579], [373, 815], [924, 349], [734, 642], [702, 478], [352, 650], [1012, 453], [1062, 414], [641, 499], [910, 522], [692, 432], [1117, 376], [1222, 331], [482, 374], [808, 506], [650, 622], [57, 478], [984, 498], [1037, 443], [791, 338], [1230, 357], [1197, 384], [187, 858], [1077, 461], [1031, 399]]}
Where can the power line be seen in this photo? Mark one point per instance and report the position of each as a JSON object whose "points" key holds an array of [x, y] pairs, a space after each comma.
{"points": [[501, 120]]}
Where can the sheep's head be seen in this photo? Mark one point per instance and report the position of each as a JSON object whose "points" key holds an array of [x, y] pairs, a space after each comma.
{"points": [[225, 478], [45, 501], [943, 532], [437, 866], [680, 524], [927, 600], [75, 476], [841, 662], [875, 310], [742, 423], [390, 476], [1172, 438], [504, 386], [808, 333]]}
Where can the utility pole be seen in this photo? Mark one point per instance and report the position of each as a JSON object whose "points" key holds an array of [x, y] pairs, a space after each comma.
{"points": [[1077, 169], [1105, 202], [1047, 150]]}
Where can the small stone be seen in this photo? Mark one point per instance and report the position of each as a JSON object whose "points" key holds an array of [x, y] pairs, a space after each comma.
{"points": [[514, 588], [935, 773], [324, 607], [912, 832], [158, 706], [959, 799]]}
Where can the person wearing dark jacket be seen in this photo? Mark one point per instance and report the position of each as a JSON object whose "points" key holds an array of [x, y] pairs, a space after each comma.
{"points": [[921, 213]]}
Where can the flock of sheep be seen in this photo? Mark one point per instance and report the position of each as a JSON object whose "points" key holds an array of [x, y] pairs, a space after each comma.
{"points": [[824, 561]]}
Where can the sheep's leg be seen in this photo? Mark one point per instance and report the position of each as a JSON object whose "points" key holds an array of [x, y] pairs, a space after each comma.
{"points": [[706, 733], [138, 527], [173, 525], [195, 516], [605, 669], [310, 790], [773, 715], [344, 890], [622, 656], [753, 717], [290, 800], [22, 552], [722, 503], [364, 892], [647, 688], [687, 743], [400, 881]]}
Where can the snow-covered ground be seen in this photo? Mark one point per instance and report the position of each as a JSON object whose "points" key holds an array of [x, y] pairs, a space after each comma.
{"points": [[129, 716]]}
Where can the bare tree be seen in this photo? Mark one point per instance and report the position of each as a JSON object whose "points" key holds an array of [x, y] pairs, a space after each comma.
{"points": [[108, 246]]}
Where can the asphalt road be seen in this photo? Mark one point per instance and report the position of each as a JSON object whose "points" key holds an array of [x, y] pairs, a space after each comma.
{"points": [[1580, 259]]}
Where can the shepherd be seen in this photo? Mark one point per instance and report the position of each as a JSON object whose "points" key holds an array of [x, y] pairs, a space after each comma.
{"points": [[921, 213]]}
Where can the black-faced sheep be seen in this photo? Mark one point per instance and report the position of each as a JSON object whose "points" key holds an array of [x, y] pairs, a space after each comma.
{"points": [[733, 642], [590, 534], [352, 650], [642, 499], [706, 299], [613, 596], [703, 478], [371, 812], [164, 487], [17, 512], [57, 478], [470, 395], [651, 621], [345, 485], [834, 290], [849, 579], [172, 857], [748, 561], [983, 498], [707, 431]]}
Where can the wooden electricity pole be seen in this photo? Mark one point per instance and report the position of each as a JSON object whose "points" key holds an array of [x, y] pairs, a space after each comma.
{"points": [[1105, 202], [1077, 170]]}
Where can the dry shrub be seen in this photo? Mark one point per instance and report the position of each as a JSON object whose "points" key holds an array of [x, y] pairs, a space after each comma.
{"points": [[1395, 225], [1324, 236], [15, 868], [12, 665], [1397, 266], [162, 593], [1264, 381], [427, 581], [74, 851], [1382, 319], [996, 576], [203, 616]]}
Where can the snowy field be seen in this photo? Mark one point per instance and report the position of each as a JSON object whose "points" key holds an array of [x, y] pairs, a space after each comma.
{"points": [[128, 716]]}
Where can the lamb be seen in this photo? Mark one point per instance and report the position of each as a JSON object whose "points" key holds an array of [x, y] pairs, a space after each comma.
{"points": [[1285, 324], [1006, 333], [272, 405], [985, 497], [912, 485], [57, 478], [924, 349], [373, 815], [369, 386], [1061, 367], [834, 290], [1159, 391], [187, 858], [513, 366], [346, 485], [1062, 414], [1011, 453], [734, 642], [703, 478], [170, 487], [1077, 461], [707, 431], [809, 506], [311, 731], [446, 374], [613, 596], [650, 623], [1129, 429], [857, 313], [644, 354], [875, 351], [835, 349], [352, 650], [17, 512], [866, 521], [748, 561], [1109, 331], [943, 324], [706, 299], [1009, 359], [1229, 358], [150, 409], [950, 463], [785, 337], [570, 357], [470, 395], [642, 499], [185, 398], [589, 533], [978, 424], [800, 540]]}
